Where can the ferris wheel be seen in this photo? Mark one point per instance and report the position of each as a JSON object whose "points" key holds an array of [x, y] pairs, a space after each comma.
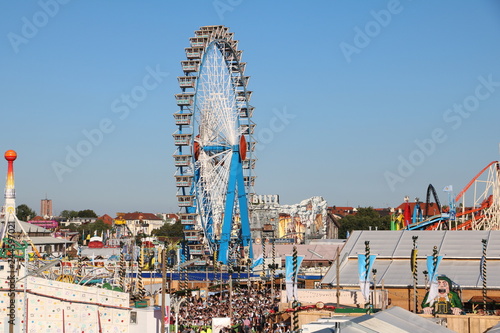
{"points": [[214, 155]]}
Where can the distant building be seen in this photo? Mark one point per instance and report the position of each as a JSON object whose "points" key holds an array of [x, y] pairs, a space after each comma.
{"points": [[169, 218], [264, 216], [44, 223], [138, 222], [342, 211], [298, 223], [106, 219], [78, 221], [46, 208], [428, 210], [39, 238]]}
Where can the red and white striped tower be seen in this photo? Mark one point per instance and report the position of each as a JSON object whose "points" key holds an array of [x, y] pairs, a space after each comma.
{"points": [[10, 191]]}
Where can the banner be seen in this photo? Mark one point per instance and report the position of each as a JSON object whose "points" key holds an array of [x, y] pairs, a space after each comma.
{"points": [[167, 312], [432, 271], [257, 262], [430, 267], [167, 315], [413, 261], [481, 264], [364, 274], [291, 277]]}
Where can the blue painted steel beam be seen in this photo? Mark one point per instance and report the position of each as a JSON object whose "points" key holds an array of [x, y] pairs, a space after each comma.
{"points": [[225, 235], [215, 149], [245, 220], [236, 181]]}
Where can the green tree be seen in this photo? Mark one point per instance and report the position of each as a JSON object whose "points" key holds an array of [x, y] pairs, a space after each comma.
{"points": [[363, 220], [24, 213], [170, 230], [95, 227], [72, 227], [69, 214], [87, 213]]}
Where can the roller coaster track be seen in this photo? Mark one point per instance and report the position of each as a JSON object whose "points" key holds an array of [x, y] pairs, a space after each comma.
{"points": [[431, 190], [428, 224], [484, 213], [428, 221]]}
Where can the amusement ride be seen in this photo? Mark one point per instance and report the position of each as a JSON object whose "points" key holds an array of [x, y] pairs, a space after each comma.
{"points": [[214, 153], [476, 207]]}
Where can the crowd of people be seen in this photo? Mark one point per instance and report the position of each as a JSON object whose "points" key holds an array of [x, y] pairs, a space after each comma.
{"points": [[250, 311]]}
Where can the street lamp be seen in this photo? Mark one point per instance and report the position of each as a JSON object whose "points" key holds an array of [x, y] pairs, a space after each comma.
{"points": [[221, 281], [230, 271], [249, 261]]}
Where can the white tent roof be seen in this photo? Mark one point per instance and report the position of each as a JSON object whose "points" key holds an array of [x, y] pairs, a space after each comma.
{"points": [[461, 251], [395, 319]]}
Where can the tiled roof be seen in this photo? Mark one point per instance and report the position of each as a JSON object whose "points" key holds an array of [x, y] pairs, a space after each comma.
{"points": [[106, 219], [342, 211], [140, 216]]}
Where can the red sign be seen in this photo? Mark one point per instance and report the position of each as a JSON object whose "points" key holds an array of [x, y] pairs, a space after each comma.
{"points": [[167, 315]]}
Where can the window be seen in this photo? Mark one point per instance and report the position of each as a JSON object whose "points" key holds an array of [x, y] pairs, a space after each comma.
{"points": [[133, 317]]}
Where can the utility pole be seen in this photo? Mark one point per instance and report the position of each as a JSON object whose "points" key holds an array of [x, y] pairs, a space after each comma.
{"points": [[230, 271], [337, 267], [163, 287]]}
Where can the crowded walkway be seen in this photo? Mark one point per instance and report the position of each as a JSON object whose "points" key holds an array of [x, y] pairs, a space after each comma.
{"points": [[251, 311]]}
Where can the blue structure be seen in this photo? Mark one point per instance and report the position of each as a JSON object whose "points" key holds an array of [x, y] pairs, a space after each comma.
{"points": [[214, 148]]}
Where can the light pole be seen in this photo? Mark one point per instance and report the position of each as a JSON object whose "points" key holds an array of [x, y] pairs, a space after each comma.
{"points": [[230, 271], [273, 269], [163, 282], [249, 261], [221, 281]]}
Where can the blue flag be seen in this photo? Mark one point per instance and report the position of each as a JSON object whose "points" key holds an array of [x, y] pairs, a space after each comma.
{"points": [[433, 289], [291, 277], [257, 262], [363, 271], [430, 267], [364, 274]]}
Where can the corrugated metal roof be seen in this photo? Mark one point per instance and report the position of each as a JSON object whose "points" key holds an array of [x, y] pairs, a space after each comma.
{"points": [[461, 251], [104, 252], [49, 240], [397, 319], [309, 251], [28, 227], [495, 329], [386, 243]]}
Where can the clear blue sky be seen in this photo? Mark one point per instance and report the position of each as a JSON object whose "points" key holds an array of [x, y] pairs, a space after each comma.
{"points": [[361, 83]]}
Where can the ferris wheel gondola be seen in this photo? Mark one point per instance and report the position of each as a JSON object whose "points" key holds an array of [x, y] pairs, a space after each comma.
{"points": [[214, 156]]}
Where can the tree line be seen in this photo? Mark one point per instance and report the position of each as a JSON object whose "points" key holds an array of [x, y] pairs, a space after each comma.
{"points": [[364, 219]]}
